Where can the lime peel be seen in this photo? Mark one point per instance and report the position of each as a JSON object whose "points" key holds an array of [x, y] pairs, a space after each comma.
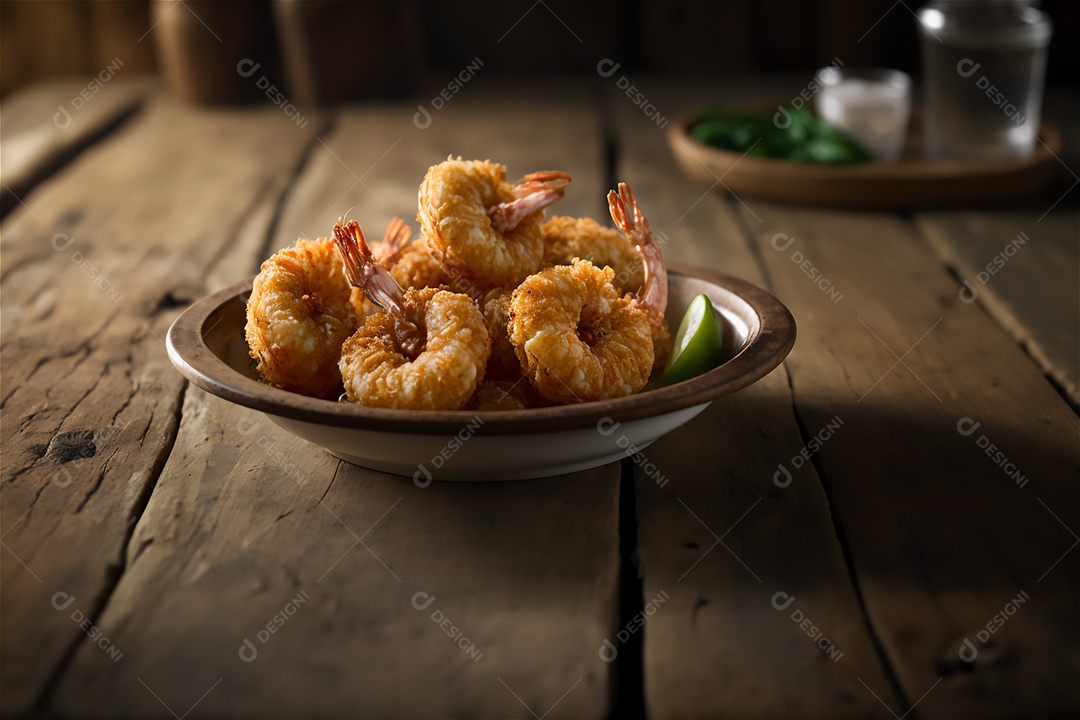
{"points": [[697, 343]]}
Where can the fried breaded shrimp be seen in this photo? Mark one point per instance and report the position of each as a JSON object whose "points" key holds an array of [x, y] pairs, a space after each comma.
{"points": [[414, 267], [577, 337], [427, 351], [566, 238], [298, 315], [662, 345], [496, 307], [482, 230]]}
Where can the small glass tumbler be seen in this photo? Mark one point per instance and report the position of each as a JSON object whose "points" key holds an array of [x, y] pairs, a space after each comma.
{"points": [[984, 64], [872, 105]]}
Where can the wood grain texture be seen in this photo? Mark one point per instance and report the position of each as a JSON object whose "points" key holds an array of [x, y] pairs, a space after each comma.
{"points": [[943, 531], [373, 162], [43, 126], [717, 534], [1022, 268], [246, 518], [95, 266], [196, 535]]}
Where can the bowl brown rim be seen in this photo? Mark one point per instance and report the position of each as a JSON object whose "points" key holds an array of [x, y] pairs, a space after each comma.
{"points": [[763, 351]]}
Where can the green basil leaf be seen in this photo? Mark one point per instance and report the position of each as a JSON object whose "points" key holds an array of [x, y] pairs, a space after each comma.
{"points": [[805, 139]]}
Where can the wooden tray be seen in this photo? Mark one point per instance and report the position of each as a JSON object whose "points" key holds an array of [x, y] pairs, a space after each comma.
{"points": [[913, 181]]}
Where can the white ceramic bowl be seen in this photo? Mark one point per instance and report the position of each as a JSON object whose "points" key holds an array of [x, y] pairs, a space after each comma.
{"points": [[206, 343]]}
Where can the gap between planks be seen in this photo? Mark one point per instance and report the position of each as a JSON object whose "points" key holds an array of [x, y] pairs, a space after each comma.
{"points": [[57, 144], [838, 526], [764, 667], [67, 205], [154, 475], [628, 677], [599, 597], [99, 604]]}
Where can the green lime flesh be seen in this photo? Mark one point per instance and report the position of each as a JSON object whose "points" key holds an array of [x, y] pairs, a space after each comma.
{"points": [[697, 344]]}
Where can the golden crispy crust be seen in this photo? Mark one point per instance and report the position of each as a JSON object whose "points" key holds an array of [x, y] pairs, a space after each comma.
{"points": [[454, 200], [497, 317], [415, 267], [577, 338], [566, 238], [444, 375], [299, 313]]}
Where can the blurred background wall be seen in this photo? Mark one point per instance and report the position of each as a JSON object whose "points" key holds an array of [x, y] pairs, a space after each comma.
{"points": [[47, 38]]}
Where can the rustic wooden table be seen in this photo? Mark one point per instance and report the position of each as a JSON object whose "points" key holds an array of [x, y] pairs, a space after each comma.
{"points": [[885, 526]]}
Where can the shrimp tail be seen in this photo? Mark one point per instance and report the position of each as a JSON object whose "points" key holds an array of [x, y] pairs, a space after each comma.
{"points": [[536, 191], [362, 269], [653, 295], [376, 282], [394, 241]]}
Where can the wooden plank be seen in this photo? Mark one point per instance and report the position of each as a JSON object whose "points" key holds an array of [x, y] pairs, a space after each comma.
{"points": [[45, 125], [953, 478], [390, 148], [95, 266], [241, 526], [717, 644], [1022, 268]]}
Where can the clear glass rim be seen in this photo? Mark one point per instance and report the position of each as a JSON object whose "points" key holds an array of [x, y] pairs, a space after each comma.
{"points": [[833, 75]]}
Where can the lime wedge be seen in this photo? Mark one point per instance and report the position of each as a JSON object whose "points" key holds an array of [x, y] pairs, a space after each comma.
{"points": [[697, 344]]}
